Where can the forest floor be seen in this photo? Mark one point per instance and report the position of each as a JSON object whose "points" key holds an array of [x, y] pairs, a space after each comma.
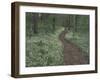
{"points": [[72, 53]]}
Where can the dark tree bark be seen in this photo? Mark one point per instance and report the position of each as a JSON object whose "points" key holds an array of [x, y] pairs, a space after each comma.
{"points": [[35, 23], [53, 24], [74, 25], [69, 22]]}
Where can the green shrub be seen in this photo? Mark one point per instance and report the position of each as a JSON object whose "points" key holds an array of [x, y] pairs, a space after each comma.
{"points": [[44, 50]]}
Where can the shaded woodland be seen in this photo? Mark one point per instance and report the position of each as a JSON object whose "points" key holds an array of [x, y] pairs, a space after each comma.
{"points": [[43, 47]]}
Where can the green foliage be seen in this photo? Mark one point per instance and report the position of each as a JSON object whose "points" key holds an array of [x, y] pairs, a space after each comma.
{"points": [[81, 40], [81, 36], [44, 50]]}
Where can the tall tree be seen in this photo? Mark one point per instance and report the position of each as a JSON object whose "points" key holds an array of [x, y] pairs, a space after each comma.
{"points": [[35, 22], [74, 25], [53, 23]]}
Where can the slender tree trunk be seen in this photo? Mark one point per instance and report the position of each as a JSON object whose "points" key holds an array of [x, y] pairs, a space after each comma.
{"points": [[53, 24], [35, 23], [74, 25]]}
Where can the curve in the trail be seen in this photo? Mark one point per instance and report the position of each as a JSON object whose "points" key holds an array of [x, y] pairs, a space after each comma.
{"points": [[72, 53]]}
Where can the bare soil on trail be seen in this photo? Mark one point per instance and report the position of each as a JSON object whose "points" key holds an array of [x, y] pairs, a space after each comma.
{"points": [[72, 53]]}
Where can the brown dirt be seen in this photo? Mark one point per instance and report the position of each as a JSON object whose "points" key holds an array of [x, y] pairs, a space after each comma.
{"points": [[72, 53]]}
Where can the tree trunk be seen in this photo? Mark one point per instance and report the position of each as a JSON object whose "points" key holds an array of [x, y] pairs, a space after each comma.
{"points": [[74, 25], [35, 23], [53, 24]]}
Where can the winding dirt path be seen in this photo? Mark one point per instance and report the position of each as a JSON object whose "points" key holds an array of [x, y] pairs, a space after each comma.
{"points": [[72, 53]]}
